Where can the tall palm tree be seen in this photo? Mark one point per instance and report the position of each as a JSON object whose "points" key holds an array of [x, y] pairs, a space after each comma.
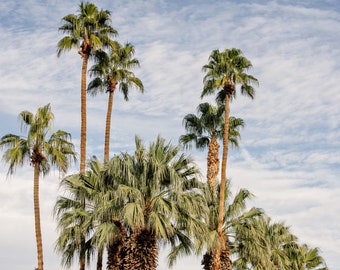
{"points": [[88, 31], [41, 152], [109, 71], [204, 130], [224, 71]]}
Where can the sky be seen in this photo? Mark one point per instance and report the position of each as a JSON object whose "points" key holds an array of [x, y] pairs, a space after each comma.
{"points": [[289, 155]]}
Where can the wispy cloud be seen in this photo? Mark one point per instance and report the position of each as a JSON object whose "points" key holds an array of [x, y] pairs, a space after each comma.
{"points": [[289, 149]]}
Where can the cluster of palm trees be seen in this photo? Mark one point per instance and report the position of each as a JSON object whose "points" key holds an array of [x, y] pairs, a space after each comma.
{"points": [[127, 206]]}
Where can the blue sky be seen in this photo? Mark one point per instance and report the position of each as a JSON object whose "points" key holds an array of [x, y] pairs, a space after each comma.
{"points": [[289, 154]]}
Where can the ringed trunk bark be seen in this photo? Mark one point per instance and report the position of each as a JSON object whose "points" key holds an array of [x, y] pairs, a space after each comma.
{"points": [[217, 262], [38, 235], [212, 164], [83, 114]]}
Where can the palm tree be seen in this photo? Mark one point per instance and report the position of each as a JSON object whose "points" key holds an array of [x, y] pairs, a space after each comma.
{"points": [[264, 244], [311, 259], [74, 215], [236, 214], [88, 31], [224, 71], [108, 228], [158, 197], [204, 130], [132, 201], [112, 69], [41, 152]]}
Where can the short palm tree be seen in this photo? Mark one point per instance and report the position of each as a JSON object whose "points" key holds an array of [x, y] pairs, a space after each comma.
{"points": [[41, 148], [74, 214], [303, 257], [112, 69], [88, 31], [131, 202], [158, 197], [263, 244], [204, 130], [224, 71]]}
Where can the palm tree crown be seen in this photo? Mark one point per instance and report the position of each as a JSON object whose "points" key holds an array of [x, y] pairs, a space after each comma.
{"points": [[88, 31], [112, 69], [204, 130], [37, 147]]}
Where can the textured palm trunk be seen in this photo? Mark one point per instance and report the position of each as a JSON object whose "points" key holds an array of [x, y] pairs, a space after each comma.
{"points": [[38, 235], [83, 113], [116, 249], [141, 250], [221, 243], [225, 261], [114, 254], [213, 164], [108, 121]]}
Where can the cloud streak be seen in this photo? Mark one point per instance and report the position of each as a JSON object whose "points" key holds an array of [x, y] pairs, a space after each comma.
{"points": [[289, 150]]}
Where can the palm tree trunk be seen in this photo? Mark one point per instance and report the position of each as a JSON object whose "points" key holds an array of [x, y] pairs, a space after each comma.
{"points": [[108, 125], [221, 243], [225, 261], [142, 250], [115, 248], [83, 114], [38, 235], [212, 164]]}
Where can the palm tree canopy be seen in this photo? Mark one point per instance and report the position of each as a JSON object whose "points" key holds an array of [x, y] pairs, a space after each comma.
{"points": [[37, 147], [154, 180], [74, 215], [225, 70], [88, 30], [209, 122], [115, 68]]}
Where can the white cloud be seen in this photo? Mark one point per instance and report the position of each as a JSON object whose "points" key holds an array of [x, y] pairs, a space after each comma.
{"points": [[290, 145]]}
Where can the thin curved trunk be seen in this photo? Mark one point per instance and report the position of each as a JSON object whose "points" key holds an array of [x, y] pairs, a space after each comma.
{"points": [[38, 235], [83, 114], [213, 164], [85, 56], [217, 261], [108, 123]]}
